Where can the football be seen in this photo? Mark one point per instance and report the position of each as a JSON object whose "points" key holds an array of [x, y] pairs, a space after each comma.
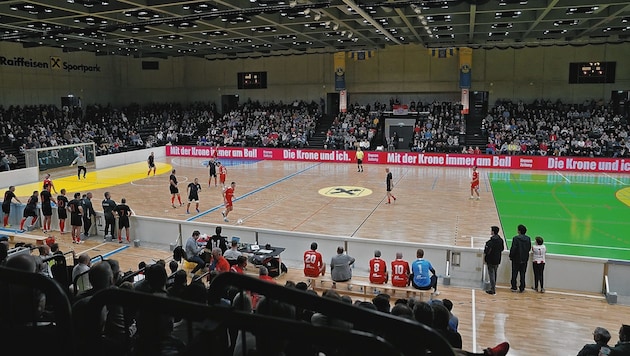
{"points": [[239, 221]]}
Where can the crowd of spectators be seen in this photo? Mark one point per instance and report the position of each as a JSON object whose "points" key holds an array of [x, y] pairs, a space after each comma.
{"points": [[255, 124], [513, 128], [111, 129], [116, 130], [590, 129]]}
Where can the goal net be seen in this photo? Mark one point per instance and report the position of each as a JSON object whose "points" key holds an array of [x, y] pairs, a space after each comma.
{"points": [[59, 156]]}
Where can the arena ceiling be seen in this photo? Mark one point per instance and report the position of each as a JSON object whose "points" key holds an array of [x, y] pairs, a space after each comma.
{"points": [[253, 28]]}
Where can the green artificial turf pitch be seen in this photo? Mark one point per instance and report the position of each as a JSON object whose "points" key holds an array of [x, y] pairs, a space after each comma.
{"points": [[579, 215]]}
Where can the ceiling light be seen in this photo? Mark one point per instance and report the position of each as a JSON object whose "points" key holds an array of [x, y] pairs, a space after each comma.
{"points": [[582, 10]]}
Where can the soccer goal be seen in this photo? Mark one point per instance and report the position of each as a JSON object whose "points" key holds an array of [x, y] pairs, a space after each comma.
{"points": [[59, 156]]}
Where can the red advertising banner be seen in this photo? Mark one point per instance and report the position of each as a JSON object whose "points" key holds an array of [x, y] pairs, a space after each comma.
{"points": [[579, 164]]}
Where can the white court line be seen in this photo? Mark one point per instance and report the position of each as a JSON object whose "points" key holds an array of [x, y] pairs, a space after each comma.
{"points": [[353, 208], [547, 291], [95, 247], [589, 246], [618, 181], [561, 175], [474, 323]]}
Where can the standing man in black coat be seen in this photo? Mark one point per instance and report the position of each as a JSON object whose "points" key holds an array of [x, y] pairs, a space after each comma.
{"points": [[519, 254], [108, 211], [88, 213], [492, 255]]}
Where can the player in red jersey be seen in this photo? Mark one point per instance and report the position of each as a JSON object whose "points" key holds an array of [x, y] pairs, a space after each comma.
{"points": [[378, 269], [222, 173], [474, 183], [215, 153], [228, 195], [314, 265], [49, 183], [400, 271]]}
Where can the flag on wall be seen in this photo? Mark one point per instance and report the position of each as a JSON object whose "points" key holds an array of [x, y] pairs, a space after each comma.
{"points": [[442, 52], [465, 67], [339, 62], [361, 55], [343, 101], [465, 102]]}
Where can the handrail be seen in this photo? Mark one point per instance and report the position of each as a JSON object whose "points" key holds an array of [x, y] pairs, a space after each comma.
{"points": [[407, 336], [278, 328], [55, 296], [130, 277], [95, 258], [56, 258]]}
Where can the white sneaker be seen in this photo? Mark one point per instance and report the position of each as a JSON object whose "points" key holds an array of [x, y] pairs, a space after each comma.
{"points": [[435, 294]]}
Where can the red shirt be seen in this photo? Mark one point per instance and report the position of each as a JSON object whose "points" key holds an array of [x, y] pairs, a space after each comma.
{"points": [[222, 170], [543, 147], [477, 151], [236, 269], [222, 265], [312, 263], [266, 278], [229, 194], [378, 271], [400, 273], [475, 179], [49, 183]]}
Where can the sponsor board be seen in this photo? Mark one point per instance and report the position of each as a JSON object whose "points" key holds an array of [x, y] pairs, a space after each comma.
{"points": [[575, 164]]}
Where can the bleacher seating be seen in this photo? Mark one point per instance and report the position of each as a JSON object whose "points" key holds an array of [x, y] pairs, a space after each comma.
{"points": [[209, 324], [542, 127]]}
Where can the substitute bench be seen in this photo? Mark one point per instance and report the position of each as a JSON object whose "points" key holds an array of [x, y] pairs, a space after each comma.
{"points": [[365, 288], [39, 240]]}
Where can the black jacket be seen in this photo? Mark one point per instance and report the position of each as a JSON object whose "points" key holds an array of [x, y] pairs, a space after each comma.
{"points": [[493, 249], [521, 245]]}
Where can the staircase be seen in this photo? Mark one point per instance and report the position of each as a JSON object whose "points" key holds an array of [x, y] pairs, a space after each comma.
{"points": [[318, 139], [476, 139]]}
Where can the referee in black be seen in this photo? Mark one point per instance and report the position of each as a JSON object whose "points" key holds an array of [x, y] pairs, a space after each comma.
{"points": [[151, 163], [212, 164], [108, 210]]}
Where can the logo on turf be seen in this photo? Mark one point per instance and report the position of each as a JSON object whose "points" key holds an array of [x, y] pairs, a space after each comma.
{"points": [[343, 191]]}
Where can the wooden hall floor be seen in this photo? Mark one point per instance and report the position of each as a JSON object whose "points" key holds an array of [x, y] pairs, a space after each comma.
{"points": [[432, 206]]}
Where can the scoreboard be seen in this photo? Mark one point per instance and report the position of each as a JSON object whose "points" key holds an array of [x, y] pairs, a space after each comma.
{"points": [[252, 80], [592, 72]]}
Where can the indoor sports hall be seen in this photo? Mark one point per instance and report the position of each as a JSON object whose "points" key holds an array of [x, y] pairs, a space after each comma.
{"points": [[291, 203]]}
